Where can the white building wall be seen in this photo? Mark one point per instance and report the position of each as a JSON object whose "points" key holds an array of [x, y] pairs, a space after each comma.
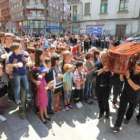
{"points": [[113, 8], [109, 27], [113, 16]]}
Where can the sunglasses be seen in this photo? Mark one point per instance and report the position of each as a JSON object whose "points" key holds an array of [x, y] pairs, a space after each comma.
{"points": [[68, 68]]}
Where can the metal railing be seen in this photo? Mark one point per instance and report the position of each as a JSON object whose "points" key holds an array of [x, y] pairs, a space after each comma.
{"points": [[35, 16], [35, 5], [76, 18], [73, 1]]}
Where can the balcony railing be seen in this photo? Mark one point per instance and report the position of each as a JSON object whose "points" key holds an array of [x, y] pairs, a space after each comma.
{"points": [[76, 18], [35, 16], [73, 1], [35, 5]]}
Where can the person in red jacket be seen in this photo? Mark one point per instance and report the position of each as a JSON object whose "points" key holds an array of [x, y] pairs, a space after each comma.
{"points": [[74, 49]]}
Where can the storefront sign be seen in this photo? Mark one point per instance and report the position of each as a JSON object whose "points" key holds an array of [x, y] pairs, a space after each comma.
{"points": [[26, 27], [53, 27], [94, 29]]}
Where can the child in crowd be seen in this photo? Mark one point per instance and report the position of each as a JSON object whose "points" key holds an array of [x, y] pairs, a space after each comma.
{"points": [[41, 98], [67, 85], [79, 79], [19, 71], [59, 82], [50, 76]]}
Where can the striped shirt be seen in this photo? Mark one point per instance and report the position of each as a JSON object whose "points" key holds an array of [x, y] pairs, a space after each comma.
{"points": [[59, 82]]}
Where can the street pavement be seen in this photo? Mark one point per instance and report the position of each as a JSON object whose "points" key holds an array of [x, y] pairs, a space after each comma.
{"points": [[76, 124]]}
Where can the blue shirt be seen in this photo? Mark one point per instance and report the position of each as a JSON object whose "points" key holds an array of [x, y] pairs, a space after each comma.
{"points": [[47, 45], [21, 70]]}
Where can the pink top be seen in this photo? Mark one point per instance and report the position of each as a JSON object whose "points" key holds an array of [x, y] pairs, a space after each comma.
{"points": [[41, 98]]}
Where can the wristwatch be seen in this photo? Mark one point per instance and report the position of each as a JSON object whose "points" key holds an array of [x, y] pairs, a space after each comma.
{"points": [[128, 78]]}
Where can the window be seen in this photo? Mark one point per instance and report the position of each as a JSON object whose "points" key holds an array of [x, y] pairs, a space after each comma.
{"points": [[74, 13], [103, 8], [123, 5], [20, 3], [21, 13], [87, 8]]}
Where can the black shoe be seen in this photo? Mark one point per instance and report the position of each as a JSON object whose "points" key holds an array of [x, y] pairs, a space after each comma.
{"points": [[100, 115], [45, 122], [89, 102], [126, 121], [138, 118], [47, 118], [107, 115], [115, 128], [52, 113]]}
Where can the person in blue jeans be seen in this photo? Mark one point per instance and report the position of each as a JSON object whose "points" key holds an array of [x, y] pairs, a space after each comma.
{"points": [[67, 85], [17, 60], [89, 68], [50, 76]]}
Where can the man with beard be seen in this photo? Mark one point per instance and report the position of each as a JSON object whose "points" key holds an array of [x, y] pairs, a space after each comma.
{"points": [[130, 94], [102, 84]]}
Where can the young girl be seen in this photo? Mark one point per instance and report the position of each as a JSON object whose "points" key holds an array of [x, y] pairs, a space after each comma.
{"points": [[41, 99], [67, 85], [59, 82]]}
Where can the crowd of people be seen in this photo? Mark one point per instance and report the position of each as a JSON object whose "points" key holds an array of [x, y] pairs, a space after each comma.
{"points": [[44, 69]]}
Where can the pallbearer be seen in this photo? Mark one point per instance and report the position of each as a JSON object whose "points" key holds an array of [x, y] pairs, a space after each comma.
{"points": [[130, 94], [102, 84]]}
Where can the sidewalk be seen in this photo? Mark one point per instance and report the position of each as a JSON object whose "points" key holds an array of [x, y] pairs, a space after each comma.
{"points": [[76, 124]]}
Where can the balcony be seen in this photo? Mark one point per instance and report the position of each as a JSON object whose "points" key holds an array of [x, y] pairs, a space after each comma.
{"points": [[35, 16], [76, 18], [73, 1], [35, 5]]}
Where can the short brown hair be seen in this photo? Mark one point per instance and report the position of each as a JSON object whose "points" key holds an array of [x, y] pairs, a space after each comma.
{"points": [[96, 52], [88, 55], [14, 46], [30, 49], [62, 48], [17, 39]]}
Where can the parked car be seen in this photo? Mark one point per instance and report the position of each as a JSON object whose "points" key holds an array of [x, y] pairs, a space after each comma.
{"points": [[135, 38]]}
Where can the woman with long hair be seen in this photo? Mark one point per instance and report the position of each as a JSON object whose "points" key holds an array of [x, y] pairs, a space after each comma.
{"points": [[39, 57], [79, 53]]}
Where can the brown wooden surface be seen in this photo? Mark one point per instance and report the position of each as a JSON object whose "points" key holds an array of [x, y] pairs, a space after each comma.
{"points": [[121, 57]]}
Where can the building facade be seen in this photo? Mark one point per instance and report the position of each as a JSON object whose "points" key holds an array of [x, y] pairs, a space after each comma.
{"points": [[39, 15], [5, 15], [116, 17]]}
